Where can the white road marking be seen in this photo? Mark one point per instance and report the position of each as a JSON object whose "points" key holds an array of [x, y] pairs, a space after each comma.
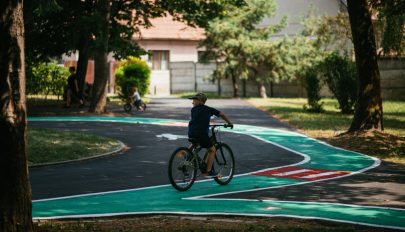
{"points": [[319, 175], [291, 172], [172, 136]]}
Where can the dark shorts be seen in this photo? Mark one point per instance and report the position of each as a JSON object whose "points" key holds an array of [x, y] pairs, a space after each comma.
{"points": [[137, 103], [203, 140]]}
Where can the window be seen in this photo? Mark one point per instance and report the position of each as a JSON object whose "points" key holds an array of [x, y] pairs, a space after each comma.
{"points": [[158, 60]]}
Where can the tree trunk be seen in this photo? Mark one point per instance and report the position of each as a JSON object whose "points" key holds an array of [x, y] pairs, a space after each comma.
{"points": [[244, 83], [262, 90], [15, 196], [271, 89], [82, 65], [235, 86], [83, 47], [99, 99], [369, 111]]}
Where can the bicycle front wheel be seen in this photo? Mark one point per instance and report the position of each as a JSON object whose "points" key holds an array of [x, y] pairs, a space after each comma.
{"points": [[127, 107], [224, 164], [182, 169]]}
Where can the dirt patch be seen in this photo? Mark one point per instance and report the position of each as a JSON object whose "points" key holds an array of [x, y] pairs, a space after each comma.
{"points": [[375, 143], [193, 223]]}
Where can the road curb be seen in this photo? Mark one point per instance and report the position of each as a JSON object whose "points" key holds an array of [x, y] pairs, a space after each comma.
{"points": [[121, 148]]}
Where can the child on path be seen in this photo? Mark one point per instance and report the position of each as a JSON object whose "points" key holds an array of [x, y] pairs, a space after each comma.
{"points": [[198, 128], [138, 100]]}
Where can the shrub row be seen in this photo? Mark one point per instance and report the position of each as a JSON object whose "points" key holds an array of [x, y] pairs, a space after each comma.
{"points": [[46, 79], [339, 74]]}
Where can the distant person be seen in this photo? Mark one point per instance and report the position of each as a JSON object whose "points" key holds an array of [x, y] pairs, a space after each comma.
{"points": [[137, 99], [198, 128], [72, 89]]}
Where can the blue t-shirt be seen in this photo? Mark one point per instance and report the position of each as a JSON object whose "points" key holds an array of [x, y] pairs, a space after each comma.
{"points": [[200, 120]]}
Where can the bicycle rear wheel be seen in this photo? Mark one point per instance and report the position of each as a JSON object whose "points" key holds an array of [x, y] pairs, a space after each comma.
{"points": [[182, 169], [224, 164]]}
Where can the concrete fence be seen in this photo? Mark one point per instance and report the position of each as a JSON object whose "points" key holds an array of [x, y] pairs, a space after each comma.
{"points": [[196, 77], [392, 73]]}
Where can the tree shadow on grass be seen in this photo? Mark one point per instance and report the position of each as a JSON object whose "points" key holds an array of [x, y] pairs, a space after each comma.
{"points": [[312, 121]]}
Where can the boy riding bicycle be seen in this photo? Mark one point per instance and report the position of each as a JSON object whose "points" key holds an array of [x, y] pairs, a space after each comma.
{"points": [[198, 128], [137, 99]]}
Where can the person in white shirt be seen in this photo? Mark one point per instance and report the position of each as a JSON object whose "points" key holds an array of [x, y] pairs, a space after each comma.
{"points": [[138, 99]]}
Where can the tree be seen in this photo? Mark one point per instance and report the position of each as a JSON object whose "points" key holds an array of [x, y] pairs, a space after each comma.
{"points": [[99, 98], [63, 26], [15, 196], [69, 24], [391, 21], [241, 47], [192, 11], [369, 110]]}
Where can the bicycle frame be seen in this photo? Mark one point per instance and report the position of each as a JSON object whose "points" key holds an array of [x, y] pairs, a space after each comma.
{"points": [[195, 149], [183, 168]]}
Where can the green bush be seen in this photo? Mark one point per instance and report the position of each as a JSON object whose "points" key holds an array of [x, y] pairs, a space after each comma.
{"points": [[340, 74], [133, 72], [46, 78], [313, 87]]}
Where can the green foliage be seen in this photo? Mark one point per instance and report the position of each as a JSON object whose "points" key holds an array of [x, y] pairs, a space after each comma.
{"points": [[340, 74], [197, 12], [391, 21], [54, 27], [313, 87], [330, 32], [73, 24], [334, 32], [244, 49], [46, 78], [133, 72]]}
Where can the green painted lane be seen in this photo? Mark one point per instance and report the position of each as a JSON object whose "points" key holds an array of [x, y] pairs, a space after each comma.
{"points": [[164, 199]]}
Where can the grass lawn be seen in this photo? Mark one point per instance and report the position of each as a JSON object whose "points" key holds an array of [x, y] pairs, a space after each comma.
{"points": [[46, 145], [388, 145]]}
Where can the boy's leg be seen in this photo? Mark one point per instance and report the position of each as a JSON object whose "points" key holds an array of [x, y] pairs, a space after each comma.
{"points": [[138, 105], [210, 159]]}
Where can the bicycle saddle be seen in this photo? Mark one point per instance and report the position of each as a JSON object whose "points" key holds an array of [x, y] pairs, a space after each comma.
{"points": [[192, 140]]}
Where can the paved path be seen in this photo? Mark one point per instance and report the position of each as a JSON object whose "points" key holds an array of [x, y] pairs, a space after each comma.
{"points": [[305, 161]]}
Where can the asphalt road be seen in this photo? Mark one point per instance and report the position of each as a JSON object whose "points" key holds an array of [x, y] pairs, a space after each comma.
{"points": [[145, 163]]}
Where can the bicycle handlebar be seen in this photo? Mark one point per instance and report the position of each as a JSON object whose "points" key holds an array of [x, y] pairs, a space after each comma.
{"points": [[221, 125]]}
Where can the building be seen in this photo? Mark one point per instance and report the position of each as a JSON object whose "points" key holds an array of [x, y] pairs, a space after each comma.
{"points": [[167, 41]]}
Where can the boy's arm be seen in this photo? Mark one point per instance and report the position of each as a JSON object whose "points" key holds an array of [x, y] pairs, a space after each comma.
{"points": [[224, 117]]}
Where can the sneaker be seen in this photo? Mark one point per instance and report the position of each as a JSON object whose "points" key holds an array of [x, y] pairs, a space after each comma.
{"points": [[211, 174]]}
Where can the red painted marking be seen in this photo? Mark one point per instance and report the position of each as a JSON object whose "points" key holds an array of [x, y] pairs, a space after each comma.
{"points": [[175, 124], [301, 173]]}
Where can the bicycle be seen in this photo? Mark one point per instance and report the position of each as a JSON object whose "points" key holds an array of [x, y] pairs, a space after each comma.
{"points": [[128, 106], [185, 162]]}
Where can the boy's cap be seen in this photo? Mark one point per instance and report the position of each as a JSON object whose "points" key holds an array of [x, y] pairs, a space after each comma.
{"points": [[199, 96]]}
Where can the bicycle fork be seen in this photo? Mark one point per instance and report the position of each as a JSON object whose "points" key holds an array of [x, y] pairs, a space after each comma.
{"points": [[221, 151]]}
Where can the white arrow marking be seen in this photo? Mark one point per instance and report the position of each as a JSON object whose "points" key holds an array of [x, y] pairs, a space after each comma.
{"points": [[172, 136]]}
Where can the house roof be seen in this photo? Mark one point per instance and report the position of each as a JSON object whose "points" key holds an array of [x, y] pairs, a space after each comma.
{"points": [[166, 28]]}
